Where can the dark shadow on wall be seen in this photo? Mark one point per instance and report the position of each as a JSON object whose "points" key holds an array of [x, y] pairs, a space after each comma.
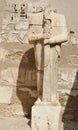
{"points": [[25, 82], [70, 116]]}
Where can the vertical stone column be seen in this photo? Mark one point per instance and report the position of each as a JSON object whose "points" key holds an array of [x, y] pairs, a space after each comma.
{"points": [[46, 96]]}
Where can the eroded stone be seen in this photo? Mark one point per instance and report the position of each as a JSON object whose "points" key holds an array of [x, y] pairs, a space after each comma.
{"points": [[43, 117], [36, 18], [5, 94]]}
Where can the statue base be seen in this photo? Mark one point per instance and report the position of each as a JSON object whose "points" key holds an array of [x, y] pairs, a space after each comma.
{"points": [[46, 117]]}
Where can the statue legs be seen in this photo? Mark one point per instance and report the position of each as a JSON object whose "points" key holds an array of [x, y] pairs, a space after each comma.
{"points": [[38, 50], [50, 74], [53, 74], [46, 58], [46, 77]]}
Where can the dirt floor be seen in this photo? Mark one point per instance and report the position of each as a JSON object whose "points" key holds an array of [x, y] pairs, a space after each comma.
{"points": [[14, 123], [10, 123]]}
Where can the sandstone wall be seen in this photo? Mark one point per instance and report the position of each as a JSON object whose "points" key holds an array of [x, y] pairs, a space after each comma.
{"points": [[17, 67]]}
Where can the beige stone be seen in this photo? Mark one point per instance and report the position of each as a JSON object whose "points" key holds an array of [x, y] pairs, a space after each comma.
{"points": [[17, 111], [5, 94], [36, 18], [47, 14], [59, 28], [9, 76], [3, 54], [35, 32], [65, 76], [22, 25], [44, 117], [56, 34], [10, 36], [37, 7], [47, 29]]}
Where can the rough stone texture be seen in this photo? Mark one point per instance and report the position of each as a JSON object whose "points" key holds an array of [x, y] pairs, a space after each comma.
{"points": [[59, 35], [19, 59], [5, 95], [35, 32], [36, 18], [14, 124], [45, 114]]}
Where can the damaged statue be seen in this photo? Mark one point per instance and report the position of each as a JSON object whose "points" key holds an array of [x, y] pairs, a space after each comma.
{"points": [[47, 31]]}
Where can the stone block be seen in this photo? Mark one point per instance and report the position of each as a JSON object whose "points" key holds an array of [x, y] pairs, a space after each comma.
{"points": [[64, 76], [5, 95], [3, 54], [9, 76], [36, 18], [44, 117], [16, 111], [35, 32], [22, 25], [47, 14], [47, 29]]}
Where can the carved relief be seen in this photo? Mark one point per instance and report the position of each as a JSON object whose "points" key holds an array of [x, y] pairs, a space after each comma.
{"points": [[15, 23]]}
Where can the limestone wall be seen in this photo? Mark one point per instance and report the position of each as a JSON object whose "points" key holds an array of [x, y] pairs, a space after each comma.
{"points": [[17, 67]]}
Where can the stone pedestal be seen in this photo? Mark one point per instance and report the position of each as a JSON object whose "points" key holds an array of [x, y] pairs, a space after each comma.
{"points": [[46, 117]]}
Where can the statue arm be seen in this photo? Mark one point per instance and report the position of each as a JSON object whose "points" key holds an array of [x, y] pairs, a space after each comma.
{"points": [[59, 39], [63, 34]]}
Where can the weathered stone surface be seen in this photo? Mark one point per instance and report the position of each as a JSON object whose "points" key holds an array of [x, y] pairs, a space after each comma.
{"points": [[47, 30], [9, 76], [12, 33], [35, 33], [22, 25], [67, 77], [36, 18], [47, 14], [64, 76], [5, 95], [3, 54], [36, 7], [14, 123], [13, 36], [43, 117], [16, 111], [69, 56]]}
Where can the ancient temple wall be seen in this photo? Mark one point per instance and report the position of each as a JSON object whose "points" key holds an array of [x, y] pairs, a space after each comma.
{"points": [[17, 63]]}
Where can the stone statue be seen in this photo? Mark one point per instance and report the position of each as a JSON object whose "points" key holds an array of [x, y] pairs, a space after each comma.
{"points": [[47, 31]]}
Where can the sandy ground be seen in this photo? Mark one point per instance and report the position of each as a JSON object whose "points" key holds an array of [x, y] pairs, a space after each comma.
{"points": [[9, 123]]}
